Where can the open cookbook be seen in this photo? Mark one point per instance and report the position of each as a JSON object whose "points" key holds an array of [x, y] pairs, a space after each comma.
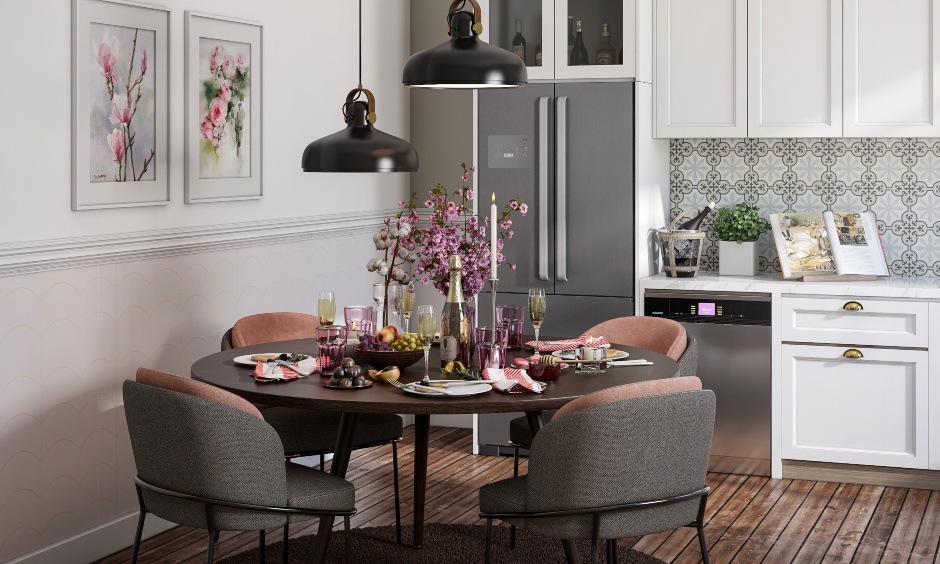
{"points": [[828, 243]]}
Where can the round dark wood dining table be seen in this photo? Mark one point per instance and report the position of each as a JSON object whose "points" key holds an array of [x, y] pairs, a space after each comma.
{"points": [[220, 370]]}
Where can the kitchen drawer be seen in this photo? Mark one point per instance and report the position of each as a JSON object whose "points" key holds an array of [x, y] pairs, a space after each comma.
{"points": [[867, 410], [824, 320]]}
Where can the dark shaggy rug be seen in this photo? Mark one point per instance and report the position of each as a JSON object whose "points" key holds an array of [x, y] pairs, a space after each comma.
{"points": [[443, 544]]}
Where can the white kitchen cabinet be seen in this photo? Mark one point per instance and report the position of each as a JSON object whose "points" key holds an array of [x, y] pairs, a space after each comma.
{"points": [[794, 68], [700, 68], [867, 410], [854, 320], [545, 23], [891, 57]]}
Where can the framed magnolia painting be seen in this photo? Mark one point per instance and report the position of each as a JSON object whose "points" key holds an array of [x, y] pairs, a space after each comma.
{"points": [[120, 117], [223, 109]]}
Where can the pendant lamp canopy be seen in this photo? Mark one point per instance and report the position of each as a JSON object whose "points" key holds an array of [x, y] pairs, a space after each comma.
{"points": [[360, 147], [465, 61]]}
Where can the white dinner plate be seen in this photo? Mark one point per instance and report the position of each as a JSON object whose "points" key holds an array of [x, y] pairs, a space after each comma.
{"points": [[454, 391], [612, 354], [246, 358]]}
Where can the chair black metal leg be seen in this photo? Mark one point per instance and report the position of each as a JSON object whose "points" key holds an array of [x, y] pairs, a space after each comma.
{"points": [[612, 551], [512, 536], [261, 546], [322, 456], [348, 540], [397, 494], [213, 536], [140, 526], [286, 537], [487, 551], [699, 524], [515, 461], [594, 537]]}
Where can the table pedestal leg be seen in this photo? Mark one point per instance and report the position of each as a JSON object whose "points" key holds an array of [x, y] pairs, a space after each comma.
{"points": [[535, 423], [344, 443], [422, 437]]}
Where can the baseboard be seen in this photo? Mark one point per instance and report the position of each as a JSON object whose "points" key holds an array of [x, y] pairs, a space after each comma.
{"points": [[459, 421], [96, 543], [859, 474]]}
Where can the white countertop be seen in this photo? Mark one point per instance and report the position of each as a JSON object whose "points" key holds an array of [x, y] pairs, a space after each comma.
{"points": [[917, 287]]}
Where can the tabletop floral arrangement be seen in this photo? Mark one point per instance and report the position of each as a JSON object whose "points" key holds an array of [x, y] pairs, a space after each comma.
{"points": [[453, 230]]}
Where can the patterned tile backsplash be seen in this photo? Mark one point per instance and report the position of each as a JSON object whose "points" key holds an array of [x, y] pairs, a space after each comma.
{"points": [[896, 179]]}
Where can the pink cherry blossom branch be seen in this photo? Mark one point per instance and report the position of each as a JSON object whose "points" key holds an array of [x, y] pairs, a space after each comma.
{"points": [[146, 164]]}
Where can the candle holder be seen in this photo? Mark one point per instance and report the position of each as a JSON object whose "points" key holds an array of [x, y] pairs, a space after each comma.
{"points": [[493, 283]]}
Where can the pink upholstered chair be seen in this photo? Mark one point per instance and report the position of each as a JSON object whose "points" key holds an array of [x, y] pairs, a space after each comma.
{"points": [[310, 432], [622, 462]]}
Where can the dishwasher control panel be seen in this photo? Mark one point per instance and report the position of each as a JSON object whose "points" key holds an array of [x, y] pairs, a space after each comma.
{"points": [[708, 308]]}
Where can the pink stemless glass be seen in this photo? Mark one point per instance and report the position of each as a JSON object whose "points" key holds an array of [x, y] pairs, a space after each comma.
{"points": [[491, 347], [331, 342], [358, 319], [512, 318]]}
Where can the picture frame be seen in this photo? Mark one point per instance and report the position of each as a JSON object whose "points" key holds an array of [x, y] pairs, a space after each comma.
{"points": [[120, 104], [224, 73]]}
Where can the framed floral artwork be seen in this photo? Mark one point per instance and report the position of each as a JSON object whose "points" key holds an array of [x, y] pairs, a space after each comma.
{"points": [[120, 112], [223, 108]]}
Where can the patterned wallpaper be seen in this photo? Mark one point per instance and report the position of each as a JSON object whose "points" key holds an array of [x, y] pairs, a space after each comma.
{"points": [[896, 179], [71, 337]]}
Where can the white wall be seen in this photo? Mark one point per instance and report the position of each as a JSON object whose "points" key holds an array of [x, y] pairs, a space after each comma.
{"points": [[310, 65], [74, 331]]}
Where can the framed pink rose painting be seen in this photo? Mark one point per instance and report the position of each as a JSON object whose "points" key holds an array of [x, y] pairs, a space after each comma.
{"points": [[120, 119], [223, 108]]}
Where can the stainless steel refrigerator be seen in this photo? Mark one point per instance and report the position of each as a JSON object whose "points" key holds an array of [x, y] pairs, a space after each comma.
{"points": [[567, 150]]}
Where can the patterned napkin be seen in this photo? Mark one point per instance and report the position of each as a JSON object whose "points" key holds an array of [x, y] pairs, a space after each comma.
{"points": [[566, 344], [265, 372], [522, 384]]}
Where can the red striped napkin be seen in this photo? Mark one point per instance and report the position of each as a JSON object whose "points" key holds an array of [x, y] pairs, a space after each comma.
{"points": [[523, 382], [566, 344], [265, 372]]}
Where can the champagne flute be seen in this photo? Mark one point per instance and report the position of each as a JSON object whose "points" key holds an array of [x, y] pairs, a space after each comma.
{"points": [[326, 308], [407, 305], [427, 326], [537, 312]]}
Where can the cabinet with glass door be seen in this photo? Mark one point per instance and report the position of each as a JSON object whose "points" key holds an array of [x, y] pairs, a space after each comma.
{"points": [[545, 34]]}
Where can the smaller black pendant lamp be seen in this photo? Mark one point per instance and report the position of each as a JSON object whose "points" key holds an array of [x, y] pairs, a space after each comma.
{"points": [[465, 61], [360, 147]]}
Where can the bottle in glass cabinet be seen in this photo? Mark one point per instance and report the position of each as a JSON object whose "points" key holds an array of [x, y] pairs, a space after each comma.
{"points": [[605, 54], [455, 324], [518, 42], [579, 55], [538, 54]]}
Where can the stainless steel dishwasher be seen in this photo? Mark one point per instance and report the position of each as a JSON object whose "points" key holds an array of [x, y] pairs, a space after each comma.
{"points": [[734, 343]]}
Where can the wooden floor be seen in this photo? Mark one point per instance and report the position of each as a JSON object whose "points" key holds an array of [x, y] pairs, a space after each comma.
{"points": [[749, 519]]}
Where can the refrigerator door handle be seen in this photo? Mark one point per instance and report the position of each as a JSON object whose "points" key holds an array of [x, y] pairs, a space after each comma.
{"points": [[561, 180], [542, 202]]}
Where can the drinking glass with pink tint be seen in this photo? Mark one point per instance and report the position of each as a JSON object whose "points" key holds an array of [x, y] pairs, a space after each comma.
{"points": [[491, 346], [512, 318], [331, 345]]}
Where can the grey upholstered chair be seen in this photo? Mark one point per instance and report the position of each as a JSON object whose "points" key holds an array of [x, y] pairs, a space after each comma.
{"points": [[206, 459], [309, 432], [664, 336], [622, 462]]}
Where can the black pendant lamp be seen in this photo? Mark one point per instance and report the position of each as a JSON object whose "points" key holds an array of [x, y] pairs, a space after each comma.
{"points": [[465, 61], [360, 147]]}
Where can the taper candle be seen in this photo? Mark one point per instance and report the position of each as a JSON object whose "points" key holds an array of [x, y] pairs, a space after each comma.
{"points": [[493, 238]]}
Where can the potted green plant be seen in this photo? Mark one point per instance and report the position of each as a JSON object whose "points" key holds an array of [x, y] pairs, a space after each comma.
{"points": [[737, 230]]}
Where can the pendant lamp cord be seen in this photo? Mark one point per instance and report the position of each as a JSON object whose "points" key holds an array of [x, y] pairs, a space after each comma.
{"points": [[359, 87]]}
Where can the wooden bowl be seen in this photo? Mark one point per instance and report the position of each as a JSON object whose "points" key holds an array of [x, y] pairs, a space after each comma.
{"points": [[381, 359]]}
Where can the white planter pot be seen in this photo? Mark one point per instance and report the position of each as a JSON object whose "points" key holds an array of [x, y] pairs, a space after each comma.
{"points": [[737, 259]]}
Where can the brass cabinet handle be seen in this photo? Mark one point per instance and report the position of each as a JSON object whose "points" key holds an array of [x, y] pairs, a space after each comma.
{"points": [[852, 306], [853, 353]]}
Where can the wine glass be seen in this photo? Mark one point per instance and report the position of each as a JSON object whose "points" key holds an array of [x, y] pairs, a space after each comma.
{"points": [[537, 312], [407, 305], [326, 308], [427, 326]]}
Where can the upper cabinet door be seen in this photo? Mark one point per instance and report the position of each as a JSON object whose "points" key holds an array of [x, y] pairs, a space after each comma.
{"points": [[891, 53], [505, 22], [795, 68], [604, 53], [700, 77]]}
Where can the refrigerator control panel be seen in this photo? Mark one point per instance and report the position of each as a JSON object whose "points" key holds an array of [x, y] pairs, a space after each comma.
{"points": [[508, 151]]}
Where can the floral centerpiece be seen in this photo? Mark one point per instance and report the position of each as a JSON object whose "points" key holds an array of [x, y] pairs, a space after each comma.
{"points": [[455, 230]]}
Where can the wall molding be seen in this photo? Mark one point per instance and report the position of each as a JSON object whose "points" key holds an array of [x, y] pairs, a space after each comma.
{"points": [[58, 254], [99, 542]]}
